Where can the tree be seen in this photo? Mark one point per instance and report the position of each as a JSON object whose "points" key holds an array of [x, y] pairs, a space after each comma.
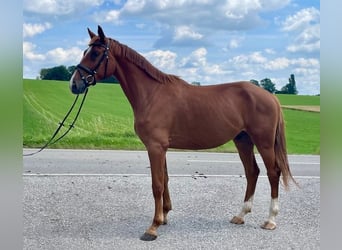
{"points": [[268, 85], [56, 73], [71, 69], [289, 88], [255, 82]]}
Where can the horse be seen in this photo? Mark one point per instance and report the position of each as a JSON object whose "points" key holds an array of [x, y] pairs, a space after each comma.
{"points": [[171, 113]]}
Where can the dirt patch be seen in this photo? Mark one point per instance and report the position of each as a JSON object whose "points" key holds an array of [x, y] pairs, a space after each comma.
{"points": [[303, 108]]}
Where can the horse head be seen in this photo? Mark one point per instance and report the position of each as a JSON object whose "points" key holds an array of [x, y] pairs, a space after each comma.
{"points": [[93, 66]]}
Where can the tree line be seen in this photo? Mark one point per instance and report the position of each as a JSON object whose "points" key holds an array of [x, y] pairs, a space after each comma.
{"points": [[64, 73], [267, 84]]}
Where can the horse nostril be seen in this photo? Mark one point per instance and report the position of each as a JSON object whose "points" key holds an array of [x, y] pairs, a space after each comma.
{"points": [[74, 88]]}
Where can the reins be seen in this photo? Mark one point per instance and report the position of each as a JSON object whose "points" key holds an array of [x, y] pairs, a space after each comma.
{"points": [[61, 124]]}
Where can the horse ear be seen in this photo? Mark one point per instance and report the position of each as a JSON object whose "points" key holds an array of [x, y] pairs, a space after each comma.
{"points": [[91, 34], [101, 34]]}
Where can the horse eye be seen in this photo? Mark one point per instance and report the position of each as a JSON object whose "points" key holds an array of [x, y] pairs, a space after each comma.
{"points": [[94, 55]]}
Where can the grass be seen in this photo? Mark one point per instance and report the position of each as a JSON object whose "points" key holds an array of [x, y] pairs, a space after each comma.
{"points": [[106, 120], [297, 100]]}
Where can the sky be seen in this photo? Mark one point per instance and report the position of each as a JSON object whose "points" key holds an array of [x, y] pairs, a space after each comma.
{"points": [[206, 41]]}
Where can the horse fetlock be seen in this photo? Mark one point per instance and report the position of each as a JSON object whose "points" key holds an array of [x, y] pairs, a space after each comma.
{"points": [[165, 219]]}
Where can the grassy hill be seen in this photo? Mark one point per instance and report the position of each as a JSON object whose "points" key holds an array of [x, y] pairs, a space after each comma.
{"points": [[106, 120]]}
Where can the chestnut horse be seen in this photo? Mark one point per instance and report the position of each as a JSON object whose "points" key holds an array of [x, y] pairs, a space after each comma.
{"points": [[170, 113]]}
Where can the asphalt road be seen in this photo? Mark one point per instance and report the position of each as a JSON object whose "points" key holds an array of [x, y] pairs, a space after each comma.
{"points": [[88, 199]]}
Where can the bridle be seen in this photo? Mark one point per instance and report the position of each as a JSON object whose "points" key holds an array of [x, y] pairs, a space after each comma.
{"points": [[90, 79]]}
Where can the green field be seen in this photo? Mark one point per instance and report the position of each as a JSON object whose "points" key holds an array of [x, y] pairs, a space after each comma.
{"points": [[106, 120]]}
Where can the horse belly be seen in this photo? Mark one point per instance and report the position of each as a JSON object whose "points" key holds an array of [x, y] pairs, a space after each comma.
{"points": [[201, 137]]}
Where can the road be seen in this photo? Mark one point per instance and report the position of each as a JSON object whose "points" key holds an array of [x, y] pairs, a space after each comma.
{"points": [[102, 199]]}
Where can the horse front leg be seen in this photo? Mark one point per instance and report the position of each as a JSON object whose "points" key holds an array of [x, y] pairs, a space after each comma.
{"points": [[166, 196], [157, 156]]}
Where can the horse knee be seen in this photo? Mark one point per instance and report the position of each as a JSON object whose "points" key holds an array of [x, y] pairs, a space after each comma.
{"points": [[158, 190]]}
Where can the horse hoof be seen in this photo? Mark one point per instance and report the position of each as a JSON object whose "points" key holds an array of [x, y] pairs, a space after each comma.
{"points": [[148, 237], [268, 225], [237, 220]]}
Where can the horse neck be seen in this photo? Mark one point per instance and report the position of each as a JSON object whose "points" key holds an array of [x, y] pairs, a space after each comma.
{"points": [[138, 86]]}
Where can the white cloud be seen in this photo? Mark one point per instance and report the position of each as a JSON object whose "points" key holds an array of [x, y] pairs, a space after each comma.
{"points": [[55, 56], [306, 29], [306, 62], [196, 59], [252, 58], [28, 52], [301, 20], [308, 40], [277, 64], [112, 16], [59, 7], [193, 67], [239, 9], [65, 56], [201, 14], [233, 44], [31, 29], [270, 51], [185, 32], [163, 59]]}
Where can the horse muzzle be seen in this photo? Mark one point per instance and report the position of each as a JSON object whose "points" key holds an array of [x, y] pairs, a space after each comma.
{"points": [[78, 86]]}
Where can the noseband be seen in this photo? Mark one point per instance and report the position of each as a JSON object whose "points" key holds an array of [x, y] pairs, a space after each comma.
{"points": [[90, 79]]}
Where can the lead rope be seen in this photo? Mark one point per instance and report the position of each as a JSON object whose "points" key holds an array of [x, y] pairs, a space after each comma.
{"points": [[61, 124]]}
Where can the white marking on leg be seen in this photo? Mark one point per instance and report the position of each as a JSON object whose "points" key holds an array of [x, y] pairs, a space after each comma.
{"points": [[247, 207], [274, 209]]}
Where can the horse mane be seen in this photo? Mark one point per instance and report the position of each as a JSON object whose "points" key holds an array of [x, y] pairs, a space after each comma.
{"points": [[144, 64]]}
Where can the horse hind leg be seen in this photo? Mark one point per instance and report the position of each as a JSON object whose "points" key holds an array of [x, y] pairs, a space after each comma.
{"points": [[245, 147]]}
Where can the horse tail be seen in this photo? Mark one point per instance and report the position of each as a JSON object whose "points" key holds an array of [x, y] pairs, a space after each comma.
{"points": [[281, 153]]}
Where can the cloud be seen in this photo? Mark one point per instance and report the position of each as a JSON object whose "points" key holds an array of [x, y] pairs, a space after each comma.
{"points": [[301, 20], [190, 23], [308, 40], [194, 67], [193, 19], [59, 7], [184, 32], [245, 61], [277, 64], [196, 59], [32, 29], [28, 52], [65, 56], [112, 16], [256, 65], [305, 25], [55, 56], [163, 59], [234, 43]]}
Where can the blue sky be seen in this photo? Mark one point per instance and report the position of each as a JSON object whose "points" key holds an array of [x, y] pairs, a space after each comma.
{"points": [[209, 41]]}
